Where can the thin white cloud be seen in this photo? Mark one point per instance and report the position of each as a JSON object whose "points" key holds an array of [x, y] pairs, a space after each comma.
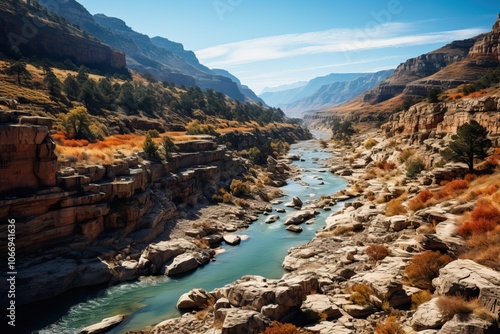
{"points": [[327, 41]]}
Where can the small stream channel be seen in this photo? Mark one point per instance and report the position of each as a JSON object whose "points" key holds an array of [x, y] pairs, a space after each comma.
{"points": [[153, 300]]}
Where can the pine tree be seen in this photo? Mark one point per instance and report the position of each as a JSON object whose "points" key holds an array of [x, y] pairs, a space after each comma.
{"points": [[150, 148], [53, 84], [469, 143], [71, 87], [20, 71]]}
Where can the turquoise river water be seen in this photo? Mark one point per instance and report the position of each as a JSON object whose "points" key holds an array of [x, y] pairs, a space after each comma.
{"points": [[151, 301]]}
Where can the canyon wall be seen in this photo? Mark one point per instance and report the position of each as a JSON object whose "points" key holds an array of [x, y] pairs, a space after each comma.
{"points": [[425, 119]]}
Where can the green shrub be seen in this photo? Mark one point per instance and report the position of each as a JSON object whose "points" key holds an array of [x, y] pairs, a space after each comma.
{"points": [[414, 167], [153, 133], [239, 188]]}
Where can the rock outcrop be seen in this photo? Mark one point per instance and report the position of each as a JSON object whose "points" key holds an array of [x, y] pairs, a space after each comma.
{"points": [[27, 153], [30, 30], [425, 120], [87, 215]]}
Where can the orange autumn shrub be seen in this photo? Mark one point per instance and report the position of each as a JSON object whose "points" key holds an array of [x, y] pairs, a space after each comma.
{"points": [[419, 202], [377, 252], [385, 165], [279, 328], [485, 217], [452, 189], [424, 267]]}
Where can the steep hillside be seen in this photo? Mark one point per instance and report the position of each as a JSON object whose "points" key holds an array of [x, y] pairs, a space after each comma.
{"points": [[334, 94], [52, 37], [165, 60]]}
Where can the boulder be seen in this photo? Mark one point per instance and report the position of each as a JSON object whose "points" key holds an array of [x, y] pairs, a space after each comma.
{"points": [[470, 279], [295, 203], [272, 219], [237, 321], [231, 239], [104, 326], [470, 324], [427, 316], [327, 327], [299, 217], [294, 228], [321, 306], [196, 299], [155, 255], [181, 264]]}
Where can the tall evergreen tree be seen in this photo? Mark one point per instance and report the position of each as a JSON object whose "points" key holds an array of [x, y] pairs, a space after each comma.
{"points": [[468, 144]]}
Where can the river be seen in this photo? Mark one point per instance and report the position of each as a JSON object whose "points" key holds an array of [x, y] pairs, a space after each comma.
{"points": [[153, 300]]}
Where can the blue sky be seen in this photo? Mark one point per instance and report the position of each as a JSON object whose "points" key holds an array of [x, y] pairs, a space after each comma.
{"points": [[275, 42]]}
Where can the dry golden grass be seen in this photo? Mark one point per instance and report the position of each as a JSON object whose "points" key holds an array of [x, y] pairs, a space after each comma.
{"points": [[390, 326], [394, 207]]}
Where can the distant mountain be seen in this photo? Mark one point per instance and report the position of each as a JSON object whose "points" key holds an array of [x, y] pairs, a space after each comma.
{"points": [[164, 59], [334, 94], [285, 97], [284, 87], [45, 40], [243, 88], [323, 92]]}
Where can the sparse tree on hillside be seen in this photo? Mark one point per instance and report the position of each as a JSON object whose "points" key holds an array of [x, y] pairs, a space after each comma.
{"points": [[20, 71], [150, 148], [71, 87], [53, 84], [169, 147], [469, 143], [77, 123], [342, 130]]}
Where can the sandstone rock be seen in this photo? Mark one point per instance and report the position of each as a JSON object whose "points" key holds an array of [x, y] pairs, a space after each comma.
{"points": [[470, 324], [276, 312], [222, 303], [237, 321], [299, 217], [320, 306], [181, 264], [271, 219], [231, 239], [195, 299], [294, 228], [359, 311], [386, 282], [427, 316], [470, 279], [155, 255], [104, 326], [326, 327]]}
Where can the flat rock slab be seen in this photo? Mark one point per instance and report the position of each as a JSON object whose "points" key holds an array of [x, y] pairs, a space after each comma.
{"points": [[104, 326], [294, 228], [232, 239]]}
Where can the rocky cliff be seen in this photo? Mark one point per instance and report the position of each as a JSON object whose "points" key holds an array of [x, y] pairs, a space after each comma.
{"points": [[415, 69], [427, 119], [31, 31], [450, 66]]}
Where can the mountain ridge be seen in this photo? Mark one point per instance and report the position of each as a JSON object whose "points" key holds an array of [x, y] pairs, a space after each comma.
{"points": [[160, 57]]}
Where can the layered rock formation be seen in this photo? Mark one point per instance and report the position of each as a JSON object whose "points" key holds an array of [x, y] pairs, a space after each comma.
{"points": [[425, 119], [27, 158], [31, 31]]}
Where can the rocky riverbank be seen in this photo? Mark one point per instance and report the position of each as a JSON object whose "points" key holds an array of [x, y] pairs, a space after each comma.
{"points": [[357, 274]]}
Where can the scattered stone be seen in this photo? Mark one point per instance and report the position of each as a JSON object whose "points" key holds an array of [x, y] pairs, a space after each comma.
{"points": [[195, 299], [231, 239], [104, 326], [294, 228], [427, 316], [320, 305], [271, 219]]}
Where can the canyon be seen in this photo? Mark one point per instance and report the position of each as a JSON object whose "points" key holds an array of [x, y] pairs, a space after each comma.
{"points": [[73, 222]]}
